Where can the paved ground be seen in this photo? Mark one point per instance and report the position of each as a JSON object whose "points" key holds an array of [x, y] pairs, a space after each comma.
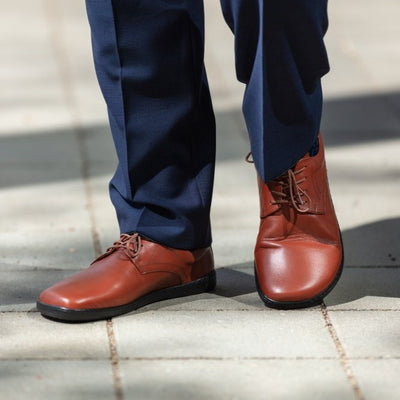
{"points": [[56, 159]]}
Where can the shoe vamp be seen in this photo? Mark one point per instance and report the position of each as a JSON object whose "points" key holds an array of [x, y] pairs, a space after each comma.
{"points": [[300, 227], [105, 285]]}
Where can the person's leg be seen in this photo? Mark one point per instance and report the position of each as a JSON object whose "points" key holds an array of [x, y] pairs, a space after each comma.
{"points": [[280, 56], [149, 62]]}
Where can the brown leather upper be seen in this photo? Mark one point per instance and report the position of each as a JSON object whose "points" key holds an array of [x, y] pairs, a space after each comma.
{"points": [[298, 252], [129, 269]]}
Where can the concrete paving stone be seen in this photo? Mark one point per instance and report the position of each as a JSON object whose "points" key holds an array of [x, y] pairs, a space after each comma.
{"points": [[76, 57], [56, 380], [59, 239], [366, 289], [234, 379], [223, 334], [227, 92], [358, 16], [100, 148], [233, 246], [19, 290], [368, 333], [346, 77], [354, 214], [358, 187], [25, 176], [236, 213], [67, 250], [31, 96], [365, 113], [22, 118], [348, 169], [235, 290], [378, 378], [374, 45], [104, 212], [232, 138], [30, 336], [373, 245], [48, 148], [241, 181]]}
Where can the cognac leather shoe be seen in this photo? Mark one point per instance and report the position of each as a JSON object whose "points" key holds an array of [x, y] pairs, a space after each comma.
{"points": [[133, 272], [298, 254]]}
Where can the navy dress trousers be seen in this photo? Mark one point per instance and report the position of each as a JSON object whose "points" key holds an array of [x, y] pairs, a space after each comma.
{"points": [[149, 62]]}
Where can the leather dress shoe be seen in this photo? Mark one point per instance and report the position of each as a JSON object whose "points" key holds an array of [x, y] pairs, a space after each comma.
{"points": [[298, 253], [133, 272]]}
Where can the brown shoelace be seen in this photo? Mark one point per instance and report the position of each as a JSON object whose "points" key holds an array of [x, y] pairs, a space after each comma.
{"points": [[131, 244], [291, 193]]}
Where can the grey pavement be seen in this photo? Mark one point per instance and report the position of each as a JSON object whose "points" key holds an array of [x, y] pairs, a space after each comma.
{"points": [[56, 158]]}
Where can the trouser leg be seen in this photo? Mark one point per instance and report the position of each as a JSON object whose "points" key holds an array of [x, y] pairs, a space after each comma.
{"points": [[149, 62], [280, 56]]}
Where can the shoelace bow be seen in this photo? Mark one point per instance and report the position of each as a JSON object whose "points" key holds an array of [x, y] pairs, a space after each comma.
{"points": [[131, 244], [291, 193]]}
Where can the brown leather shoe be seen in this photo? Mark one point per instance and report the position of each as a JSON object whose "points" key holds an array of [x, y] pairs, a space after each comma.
{"points": [[298, 254], [132, 273]]}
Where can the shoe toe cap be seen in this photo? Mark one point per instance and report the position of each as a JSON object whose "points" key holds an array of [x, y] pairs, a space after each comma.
{"points": [[57, 298], [298, 271]]}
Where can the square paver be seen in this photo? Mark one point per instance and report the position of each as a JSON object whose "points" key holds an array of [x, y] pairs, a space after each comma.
{"points": [[56, 380], [368, 333], [378, 379], [19, 290], [30, 336], [223, 334], [366, 288], [234, 379]]}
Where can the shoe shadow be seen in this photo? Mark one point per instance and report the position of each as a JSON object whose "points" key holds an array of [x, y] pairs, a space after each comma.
{"points": [[372, 265], [235, 290]]}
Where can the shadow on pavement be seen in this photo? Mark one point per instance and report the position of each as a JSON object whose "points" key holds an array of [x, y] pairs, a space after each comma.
{"points": [[361, 119], [372, 263], [43, 157]]}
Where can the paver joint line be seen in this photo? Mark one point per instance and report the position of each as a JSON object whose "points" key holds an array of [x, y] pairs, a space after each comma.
{"points": [[71, 359], [205, 358], [62, 61], [114, 361], [342, 354]]}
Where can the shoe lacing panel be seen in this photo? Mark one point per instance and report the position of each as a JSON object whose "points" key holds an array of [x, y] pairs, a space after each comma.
{"points": [[131, 244], [292, 193]]}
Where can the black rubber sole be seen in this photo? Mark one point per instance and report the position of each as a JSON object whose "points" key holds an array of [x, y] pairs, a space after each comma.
{"points": [[204, 284], [291, 305]]}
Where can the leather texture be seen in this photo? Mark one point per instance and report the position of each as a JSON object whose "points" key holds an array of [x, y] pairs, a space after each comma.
{"points": [[130, 269], [298, 254]]}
